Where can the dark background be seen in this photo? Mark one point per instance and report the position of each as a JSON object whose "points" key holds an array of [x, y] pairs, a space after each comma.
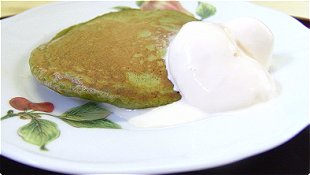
{"points": [[290, 158]]}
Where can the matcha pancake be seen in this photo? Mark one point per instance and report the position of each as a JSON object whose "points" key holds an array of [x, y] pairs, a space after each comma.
{"points": [[115, 58]]}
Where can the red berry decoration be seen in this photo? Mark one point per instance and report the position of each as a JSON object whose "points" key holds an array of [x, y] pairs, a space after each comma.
{"points": [[44, 107], [23, 104], [20, 103]]}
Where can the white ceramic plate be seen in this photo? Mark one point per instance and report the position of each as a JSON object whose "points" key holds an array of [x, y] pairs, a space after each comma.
{"points": [[202, 144]]}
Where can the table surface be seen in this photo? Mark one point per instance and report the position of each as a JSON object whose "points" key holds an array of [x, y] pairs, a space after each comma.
{"points": [[290, 158], [293, 8]]}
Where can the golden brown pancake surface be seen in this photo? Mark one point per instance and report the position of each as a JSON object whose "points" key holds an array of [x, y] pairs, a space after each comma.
{"points": [[115, 58]]}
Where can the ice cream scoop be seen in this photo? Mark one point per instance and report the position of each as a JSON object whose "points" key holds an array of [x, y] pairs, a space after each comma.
{"points": [[222, 67]]}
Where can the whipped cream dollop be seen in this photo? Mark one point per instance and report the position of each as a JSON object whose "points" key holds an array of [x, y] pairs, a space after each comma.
{"points": [[222, 67]]}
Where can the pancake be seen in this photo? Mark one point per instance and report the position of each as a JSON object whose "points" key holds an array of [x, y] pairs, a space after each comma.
{"points": [[115, 58]]}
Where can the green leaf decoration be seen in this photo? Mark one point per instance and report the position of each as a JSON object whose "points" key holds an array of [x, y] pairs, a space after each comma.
{"points": [[25, 116], [87, 112], [205, 10], [39, 132], [9, 114], [100, 123], [139, 3], [121, 8]]}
